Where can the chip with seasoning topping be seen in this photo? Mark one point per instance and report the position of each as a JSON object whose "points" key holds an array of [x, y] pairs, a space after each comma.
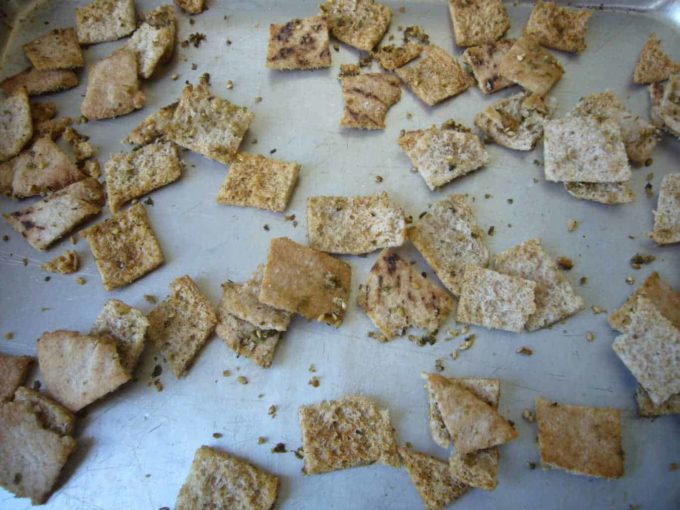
{"points": [[299, 44]]}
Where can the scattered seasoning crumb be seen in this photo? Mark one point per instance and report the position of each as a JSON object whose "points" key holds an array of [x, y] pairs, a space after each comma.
{"points": [[81, 281], [565, 263], [149, 201], [44, 309], [242, 379], [376, 336], [487, 195], [217, 435], [638, 260], [525, 351], [279, 448], [597, 310], [150, 298], [649, 177], [9, 335], [261, 440], [336, 47], [158, 384], [254, 142], [491, 231], [230, 84], [312, 368], [422, 215], [266, 227], [258, 99], [439, 365], [196, 39], [510, 201], [531, 465], [572, 225], [630, 280], [648, 162], [289, 217], [429, 339], [468, 343], [272, 411], [537, 162], [378, 179], [5, 238], [273, 151], [174, 77], [226, 373], [583, 280], [157, 371], [192, 21], [74, 239], [528, 415], [649, 190], [295, 224], [314, 382], [454, 355], [24, 261], [409, 115], [228, 42], [590, 336], [673, 466], [260, 395], [299, 453]]}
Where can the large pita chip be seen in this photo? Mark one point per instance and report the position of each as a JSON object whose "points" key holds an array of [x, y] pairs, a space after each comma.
{"points": [[559, 27], [392, 57], [484, 61], [153, 127], [478, 22], [531, 66], [397, 296], [124, 247], [52, 414], [220, 480], [368, 97], [555, 298], [58, 49], [113, 87], [208, 125], [191, 6], [105, 20], [152, 45], [359, 23], [654, 63], [667, 214], [603, 192], [299, 44], [648, 409], [306, 281], [584, 149], [341, 434], [50, 219], [79, 369], [473, 424], [354, 225], [445, 153], [246, 339], [650, 348], [66, 263], [435, 76], [16, 124], [40, 82], [181, 324], [581, 440], [257, 181], [13, 373], [31, 456], [432, 478], [126, 325]]}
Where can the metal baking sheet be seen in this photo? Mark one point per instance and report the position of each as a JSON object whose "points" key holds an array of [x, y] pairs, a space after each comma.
{"points": [[136, 446]]}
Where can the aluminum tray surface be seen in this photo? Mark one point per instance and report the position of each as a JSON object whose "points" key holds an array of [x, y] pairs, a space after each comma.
{"points": [[136, 446]]}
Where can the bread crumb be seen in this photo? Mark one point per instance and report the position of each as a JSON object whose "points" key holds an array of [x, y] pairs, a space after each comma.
{"points": [[525, 351], [528, 415], [314, 382], [261, 440], [81, 281], [272, 411], [590, 336], [9, 335], [630, 280], [242, 379], [597, 309], [572, 225]]}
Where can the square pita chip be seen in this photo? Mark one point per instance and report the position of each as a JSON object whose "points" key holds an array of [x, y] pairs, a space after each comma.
{"points": [[478, 22], [650, 348], [354, 225], [654, 64], [581, 440], [667, 214], [445, 153], [341, 434], [531, 66], [182, 324], [124, 246], [31, 456], [559, 27], [220, 480], [14, 370], [435, 76], [152, 46], [40, 82], [153, 127], [484, 61], [50, 219], [16, 124], [391, 57], [368, 97], [584, 149], [397, 296], [52, 414], [306, 281], [299, 44], [359, 23], [554, 296], [105, 20], [58, 49], [602, 192], [648, 409], [246, 339], [257, 181], [208, 125]]}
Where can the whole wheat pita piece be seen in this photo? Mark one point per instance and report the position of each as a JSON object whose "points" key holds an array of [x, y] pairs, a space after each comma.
{"points": [[441, 154], [124, 246], [13, 373], [31, 456], [654, 64], [558, 27], [79, 369], [151, 45], [151, 128], [58, 49], [648, 409], [37, 82], [246, 339], [584, 149], [650, 349], [113, 87], [105, 20], [50, 219], [256, 181], [52, 414], [668, 109], [16, 124], [477, 23], [220, 480], [359, 23], [554, 296], [182, 324], [368, 97], [306, 281], [391, 57], [477, 469], [528, 64], [354, 225], [484, 61], [208, 125], [191, 6], [667, 214], [66, 263], [397, 296], [580, 440], [607, 193], [432, 479], [435, 76], [299, 44], [341, 434]]}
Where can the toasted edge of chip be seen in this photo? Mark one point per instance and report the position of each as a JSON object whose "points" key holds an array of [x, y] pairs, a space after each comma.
{"points": [[58, 49], [559, 27], [53, 415], [13, 373], [608, 193], [359, 23], [667, 214], [299, 44], [40, 82]]}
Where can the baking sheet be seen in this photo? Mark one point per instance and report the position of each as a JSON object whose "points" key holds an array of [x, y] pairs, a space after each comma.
{"points": [[136, 446]]}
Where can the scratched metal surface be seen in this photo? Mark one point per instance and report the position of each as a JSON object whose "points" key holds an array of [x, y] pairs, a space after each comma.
{"points": [[136, 446]]}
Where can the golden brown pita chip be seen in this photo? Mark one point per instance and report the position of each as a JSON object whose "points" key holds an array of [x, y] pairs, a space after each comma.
{"points": [[392, 57], [153, 127], [359, 23], [667, 214], [152, 46], [559, 27], [52, 414], [66, 263], [16, 124], [478, 469], [299, 44], [105, 20], [13, 373], [246, 339], [484, 61], [368, 97], [530, 66], [654, 64], [59, 49], [40, 82], [478, 22]]}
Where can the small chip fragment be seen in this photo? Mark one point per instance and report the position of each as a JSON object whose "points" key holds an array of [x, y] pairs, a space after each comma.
{"points": [[154, 42], [299, 44], [191, 6], [603, 192], [16, 125], [59, 49], [484, 61], [558, 27], [391, 57], [648, 409], [654, 64], [531, 66], [52, 414], [246, 339], [359, 23], [153, 127], [40, 82], [477, 23], [66, 263], [82, 148], [368, 97], [105, 20], [13, 373], [667, 214]]}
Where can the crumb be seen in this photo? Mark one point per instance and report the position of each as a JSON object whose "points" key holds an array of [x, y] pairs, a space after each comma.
{"points": [[336, 47], [312, 368], [510, 201], [254, 142], [537, 162], [454, 355], [9, 335], [261, 440], [583, 280], [491, 231], [638, 260], [149, 201], [149, 298], [572, 225], [81, 281], [531, 465], [649, 162], [409, 115], [272, 411], [74, 239], [242, 379], [289, 217], [258, 99], [37, 385], [5, 238], [528, 415], [226, 373], [24, 261], [378, 179], [157, 371], [158, 384], [299, 453], [590, 336], [597, 310], [468, 343], [266, 227], [525, 351], [439, 365], [649, 190], [376, 336], [565, 263], [630, 280], [174, 77], [228, 42], [279, 448], [273, 151], [217, 435], [194, 67], [649, 176], [196, 39], [314, 382], [487, 195], [230, 84]]}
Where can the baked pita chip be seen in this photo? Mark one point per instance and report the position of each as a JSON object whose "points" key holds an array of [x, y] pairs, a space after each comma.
{"points": [[247, 340], [59, 49], [648, 409], [478, 469], [257, 181], [559, 27], [435, 76], [359, 23], [667, 108], [306, 281], [13, 373], [484, 61], [124, 247], [82, 148], [52, 414], [478, 22], [220, 480], [667, 214], [153, 127], [151, 45], [531, 66], [105, 20], [191, 6], [40, 82], [445, 153], [603, 192], [182, 324], [654, 64], [299, 44], [341, 434], [581, 440], [368, 97], [391, 57], [66, 263], [397, 296], [16, 124], [354, 225]]}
